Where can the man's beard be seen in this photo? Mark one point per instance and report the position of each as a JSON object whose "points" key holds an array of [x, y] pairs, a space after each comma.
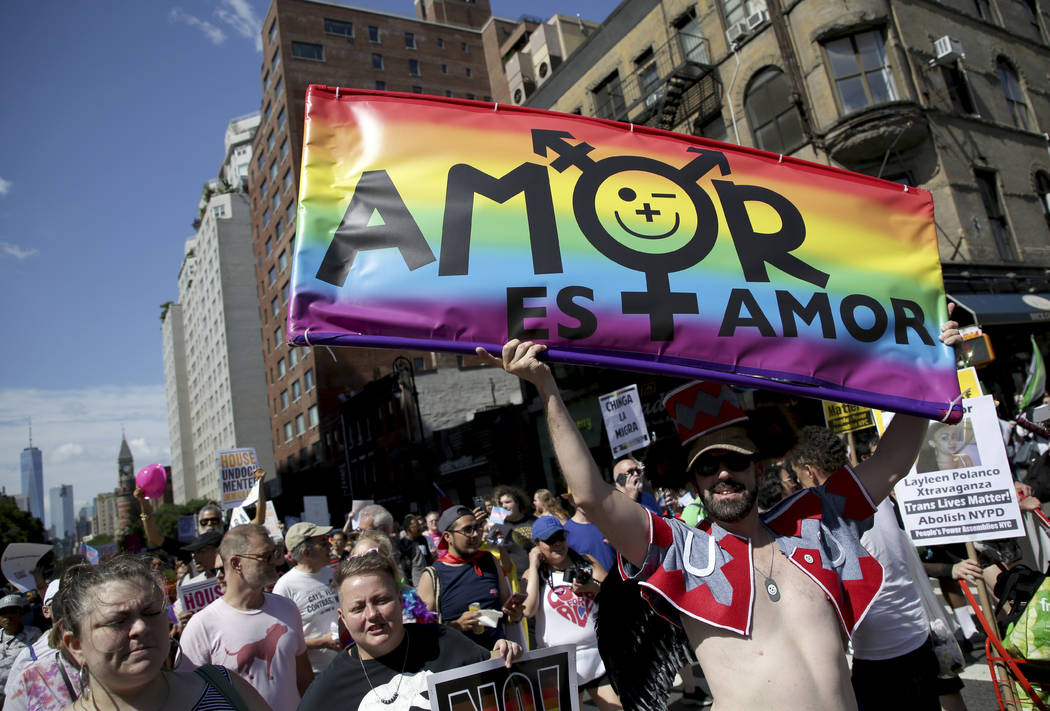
{"points": [[729, 511]]}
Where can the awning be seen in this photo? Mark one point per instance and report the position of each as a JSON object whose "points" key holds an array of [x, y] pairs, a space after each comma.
{"points": [[1003, 309]]}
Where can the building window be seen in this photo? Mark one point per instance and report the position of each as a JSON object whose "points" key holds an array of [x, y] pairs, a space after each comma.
{"points": [[290, 212], [282, 368], [285, 290], [284, 400], [338, 27], [417, 89], [270, 141], [284, 149], [984, 9], [958, 90], [308, 50], [297, 391], [300, 424], [469, 73], [266, 81], [463, 46], [308, 378], [1042, 189], [275, 306], [380, 86], [448, 93], [441, 42], [444, 69], [282, 260], [1031, 14], [645, 68], [774, 118], [287, 431], [734, 11], [267, 112], [280, 119], [261, 160], [1012, 92], [293, 357], [278, 336], [278, 86], [988, 185], [608, 98], [276, 201], [287, 180], [860, 71], [373, 33], [273, 30], [410, 40], [269, 247], [377, 61], [276, 60], [413, 67], [312, 416], [266, 217], [271, 277]]}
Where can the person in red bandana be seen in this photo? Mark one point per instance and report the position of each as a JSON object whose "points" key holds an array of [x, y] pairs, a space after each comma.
{"points": [[769, 597], [466, 586]]}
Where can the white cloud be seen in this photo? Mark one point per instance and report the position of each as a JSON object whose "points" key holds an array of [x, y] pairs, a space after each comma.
{"points": [[78, 431], [5, 186], [66, 452], [214, 34], [241, 17], [13, 250]]}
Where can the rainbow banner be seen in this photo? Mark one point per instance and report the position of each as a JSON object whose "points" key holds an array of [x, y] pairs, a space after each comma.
{"points": [[431, 223]]}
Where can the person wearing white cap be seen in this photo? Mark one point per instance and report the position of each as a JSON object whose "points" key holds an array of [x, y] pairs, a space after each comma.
{"points": [[309, 586], [14, 636], [31, 653]]}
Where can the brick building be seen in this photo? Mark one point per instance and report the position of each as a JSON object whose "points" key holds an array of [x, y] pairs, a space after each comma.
{"points": [[441, 52]]}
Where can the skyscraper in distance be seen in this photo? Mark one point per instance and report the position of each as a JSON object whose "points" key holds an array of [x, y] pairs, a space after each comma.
{"points": [[33, 480]]}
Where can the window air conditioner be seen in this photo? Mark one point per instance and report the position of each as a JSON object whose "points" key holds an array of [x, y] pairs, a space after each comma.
{"points": [[947, 49], [736, 32], [757, 19]]}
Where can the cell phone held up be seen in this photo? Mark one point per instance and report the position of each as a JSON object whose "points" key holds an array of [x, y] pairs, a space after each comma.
{"points": [[577, 575], [479, 503]]}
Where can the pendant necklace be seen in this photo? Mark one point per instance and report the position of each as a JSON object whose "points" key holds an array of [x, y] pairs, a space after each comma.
{"points": [[400, 677], [771, 585]]}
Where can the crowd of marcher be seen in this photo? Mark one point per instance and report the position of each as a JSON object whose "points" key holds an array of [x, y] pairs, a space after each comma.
{"points": [[777, 558]]}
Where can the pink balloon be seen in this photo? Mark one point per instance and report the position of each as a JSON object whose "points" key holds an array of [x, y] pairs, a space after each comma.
{"points": [[151, 479]]}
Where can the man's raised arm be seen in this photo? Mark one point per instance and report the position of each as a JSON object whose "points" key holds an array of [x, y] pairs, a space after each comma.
{"points": [[899, 445], [624, 522]]}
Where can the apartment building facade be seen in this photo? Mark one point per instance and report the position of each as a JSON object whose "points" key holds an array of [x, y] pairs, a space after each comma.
{"points": [[952, 96]]}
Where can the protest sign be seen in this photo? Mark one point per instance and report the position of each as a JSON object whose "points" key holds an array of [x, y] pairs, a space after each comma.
{"points": [[968, 382], [315, 510], [19, 560], [463, 226], [960, 488], [90, 553], [197, 595], [842, 417], [542, 679], [624, 420], [187, 528], [236, 475], [239, 517]]}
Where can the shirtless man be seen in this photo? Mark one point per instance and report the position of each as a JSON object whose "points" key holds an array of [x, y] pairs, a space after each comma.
{"points": [[772, 638]]}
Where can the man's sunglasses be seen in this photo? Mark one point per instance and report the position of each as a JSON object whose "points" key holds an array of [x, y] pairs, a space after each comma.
{"points": [[210, 522], [731, 461]]}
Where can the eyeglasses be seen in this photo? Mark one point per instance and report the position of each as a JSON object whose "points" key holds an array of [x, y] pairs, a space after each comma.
{"points": [[205, 522], [732, 461], [271, 557], [466, 530]]}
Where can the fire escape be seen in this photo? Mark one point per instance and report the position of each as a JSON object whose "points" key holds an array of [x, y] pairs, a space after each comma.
{"points": [[670, 84]]}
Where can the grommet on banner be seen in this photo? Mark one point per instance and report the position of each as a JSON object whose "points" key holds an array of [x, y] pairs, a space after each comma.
{"points": [[495, 107], [955, 402], [780, 159], [306, 337], [632, 128], [905, 188], [337, 92]]}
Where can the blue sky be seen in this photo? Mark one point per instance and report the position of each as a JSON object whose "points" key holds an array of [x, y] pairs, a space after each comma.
{"points": [[113, 118]]}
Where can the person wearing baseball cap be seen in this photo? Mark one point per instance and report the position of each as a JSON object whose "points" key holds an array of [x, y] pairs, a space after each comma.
{"points": [[309, 586], [468, 580], [203, 550], [14, 636]]}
